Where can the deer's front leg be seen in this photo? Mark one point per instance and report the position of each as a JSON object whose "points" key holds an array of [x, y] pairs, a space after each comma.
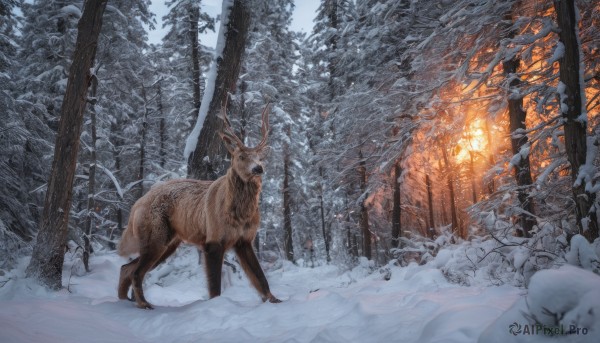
{"points": [[213, 255], [249, 262]]}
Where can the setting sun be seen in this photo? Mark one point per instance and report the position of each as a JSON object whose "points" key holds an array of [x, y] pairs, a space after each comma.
{"points": [[473, 140]]}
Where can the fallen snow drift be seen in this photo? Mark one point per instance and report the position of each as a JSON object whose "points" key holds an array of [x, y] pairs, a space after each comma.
{"points": [[562, 305], [322, 304]]}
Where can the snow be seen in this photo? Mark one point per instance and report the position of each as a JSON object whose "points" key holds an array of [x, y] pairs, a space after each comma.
{"points": [[561, 88], [113, 179], [211, 79], [559, 291], [588, 170], [522, 155], [558, 301], [581, 253], [322, 304], [559, 52], [71, 10], [541, 179]]}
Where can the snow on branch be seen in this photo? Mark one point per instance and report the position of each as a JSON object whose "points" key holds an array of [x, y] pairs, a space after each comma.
{"points": [[113, 178]]}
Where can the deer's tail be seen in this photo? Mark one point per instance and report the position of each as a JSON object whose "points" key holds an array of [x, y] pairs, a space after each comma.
{"points": [[129, 244]]}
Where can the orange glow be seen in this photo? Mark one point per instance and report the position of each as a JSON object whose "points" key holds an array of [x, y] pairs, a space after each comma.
{"points": [[473, 140], [464, 139]]}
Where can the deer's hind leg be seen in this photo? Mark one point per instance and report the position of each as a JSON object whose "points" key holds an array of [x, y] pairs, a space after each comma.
{"points": [[152, 252], [167, 252], [127, 269], [125, 278]]}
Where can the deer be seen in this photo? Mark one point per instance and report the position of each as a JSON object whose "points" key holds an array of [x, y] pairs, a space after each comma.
{"points": [[216, 216]]}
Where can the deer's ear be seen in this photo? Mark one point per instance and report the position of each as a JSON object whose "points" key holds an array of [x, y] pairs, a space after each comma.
{"points": [[230, 143]]}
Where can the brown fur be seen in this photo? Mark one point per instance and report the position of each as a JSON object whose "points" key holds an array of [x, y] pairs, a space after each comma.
{"points": [[215, 216]]}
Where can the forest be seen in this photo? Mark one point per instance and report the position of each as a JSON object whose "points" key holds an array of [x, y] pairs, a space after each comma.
{"points": [[432, 170], [399, 129]]}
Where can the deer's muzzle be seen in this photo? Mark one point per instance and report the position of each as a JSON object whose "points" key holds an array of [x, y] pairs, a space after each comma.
{"points": [[257, 170]]}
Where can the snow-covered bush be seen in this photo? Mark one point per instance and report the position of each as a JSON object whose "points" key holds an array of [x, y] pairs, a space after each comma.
{"points": [[584, 254], [74, 259], [11, 246], [562, 305], [495, 256], [417, 249], [567, 297]]}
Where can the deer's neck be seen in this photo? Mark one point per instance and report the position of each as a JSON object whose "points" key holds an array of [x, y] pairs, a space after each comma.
{"points": [[244, 195]]}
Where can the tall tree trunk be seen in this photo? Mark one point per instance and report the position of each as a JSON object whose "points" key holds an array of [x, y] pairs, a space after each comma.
{"points": [[490, 184], [332, 47], [244, 112], [348, 240], [194, 16], [364, 211], [142, 162], [162, 152], [326, 237], [91, 203], [473, 183], [48, 253], [518, 139], [287, 211], [450, 182], [396, 209], [443, 195], [206, 161], [572, 99], [117, 142], [350, 236], [431, 229]]}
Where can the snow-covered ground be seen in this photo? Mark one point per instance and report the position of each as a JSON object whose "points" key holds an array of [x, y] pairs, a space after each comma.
{"points": [[322, 304]]}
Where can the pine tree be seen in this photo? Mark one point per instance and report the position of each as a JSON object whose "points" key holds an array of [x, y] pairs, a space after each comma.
{"points": [[47, 43], [270, 76], [121, 110], [187, 22], [24, 138]]}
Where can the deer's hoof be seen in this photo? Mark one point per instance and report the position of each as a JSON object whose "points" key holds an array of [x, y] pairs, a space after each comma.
{"points": [[145, 305], [272, 299]]}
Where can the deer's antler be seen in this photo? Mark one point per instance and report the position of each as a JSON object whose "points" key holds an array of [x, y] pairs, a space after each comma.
{"points": [[264, 129], [228, 130]]}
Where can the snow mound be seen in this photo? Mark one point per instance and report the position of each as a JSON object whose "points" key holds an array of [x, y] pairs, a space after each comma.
{"points": [[583, 254], [564, 297], [562, 305]]}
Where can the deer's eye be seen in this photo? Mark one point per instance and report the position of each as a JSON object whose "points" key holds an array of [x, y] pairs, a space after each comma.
{"points": [[241, 157]]}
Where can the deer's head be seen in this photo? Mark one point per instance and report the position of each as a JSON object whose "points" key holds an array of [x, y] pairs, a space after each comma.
{"points": [[246, 162]]}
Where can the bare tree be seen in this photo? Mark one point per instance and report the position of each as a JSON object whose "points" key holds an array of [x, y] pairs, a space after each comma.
{"points": [[48, 253]]}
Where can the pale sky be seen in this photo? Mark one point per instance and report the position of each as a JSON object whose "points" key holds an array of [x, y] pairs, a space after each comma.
{"points": [[304, 13]]}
